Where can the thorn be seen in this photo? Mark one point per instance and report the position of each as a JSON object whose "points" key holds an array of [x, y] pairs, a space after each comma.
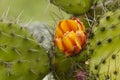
{"points": [[9, 24], [21, 28], [9, 74], [97, 75], [5, 46], [18, 17], [51, 1], [5, 13], [55, 21], [91, 51], [38, 46], [56, 15], [7, 64], [33, 50], [114, 56], [16, 50], [96, 67], [19, 61], [62, 16], [25, 38], [113, 26], [12, 34], [46, 9], [3, 49], [99, 43], [95, 4], [115, 72], [107, 77], [32, 71], [103, 29], [91, 35], [107, 18], [88, 20], [103, 61], [109, 40]]}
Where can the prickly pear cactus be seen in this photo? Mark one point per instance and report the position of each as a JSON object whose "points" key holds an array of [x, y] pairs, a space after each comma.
{"points": [[21, 58], [87, 51], [104, 48], [75, 7]]}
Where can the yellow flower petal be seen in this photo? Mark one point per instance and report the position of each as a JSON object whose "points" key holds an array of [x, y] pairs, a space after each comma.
{"points": [[72, 25], [64, 26], [72, 37], [58, 42], [81, 37], [81, 26], [67, 44], [58, 32]]}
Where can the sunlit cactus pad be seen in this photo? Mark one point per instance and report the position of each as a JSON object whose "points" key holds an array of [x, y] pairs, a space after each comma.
{"points": [[105, 48], [75, 7], [21, 58]]}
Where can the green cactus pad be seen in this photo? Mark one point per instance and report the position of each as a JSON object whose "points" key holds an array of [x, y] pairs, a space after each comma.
{"points": [[75, 7], [104, 48], [21, 58]]}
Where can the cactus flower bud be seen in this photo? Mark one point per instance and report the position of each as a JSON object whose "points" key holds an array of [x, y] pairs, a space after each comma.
{"points": [[70, 36]]}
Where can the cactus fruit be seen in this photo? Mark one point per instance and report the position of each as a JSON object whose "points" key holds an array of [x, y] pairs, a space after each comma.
{"points": [[76, 7], [21, 58], [104, 48], [70, 36]]}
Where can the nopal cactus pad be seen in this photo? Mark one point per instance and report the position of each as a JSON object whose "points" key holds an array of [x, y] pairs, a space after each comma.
{"points": [[75, 7], [21, 58], [105, 48]]}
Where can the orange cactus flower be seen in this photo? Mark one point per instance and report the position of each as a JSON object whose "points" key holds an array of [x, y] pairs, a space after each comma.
{"points": [[70, 36]]}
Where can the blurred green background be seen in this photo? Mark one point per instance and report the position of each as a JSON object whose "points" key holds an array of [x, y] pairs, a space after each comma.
{"points": [[32, 10]]}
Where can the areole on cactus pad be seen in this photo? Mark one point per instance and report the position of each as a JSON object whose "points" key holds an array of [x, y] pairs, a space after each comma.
{"points": [[70, 36]]}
